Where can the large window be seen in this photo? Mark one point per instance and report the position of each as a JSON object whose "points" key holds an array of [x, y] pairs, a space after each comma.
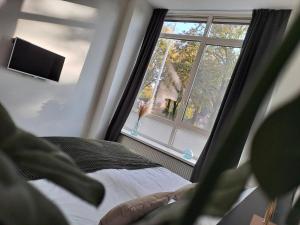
{"points": [[186, 81]]}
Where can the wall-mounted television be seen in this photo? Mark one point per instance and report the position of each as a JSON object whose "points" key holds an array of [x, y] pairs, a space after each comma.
{"points": [[33, 60]]}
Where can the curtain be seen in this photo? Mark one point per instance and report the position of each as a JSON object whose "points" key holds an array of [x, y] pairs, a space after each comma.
{"points": [[135, 81], [265, 31]]}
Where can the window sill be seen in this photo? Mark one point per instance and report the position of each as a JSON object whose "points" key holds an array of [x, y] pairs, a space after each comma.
{"points": [[159, 147]]}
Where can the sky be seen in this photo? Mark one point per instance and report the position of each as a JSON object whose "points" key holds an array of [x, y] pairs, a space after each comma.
{"points": [[180, 27]]}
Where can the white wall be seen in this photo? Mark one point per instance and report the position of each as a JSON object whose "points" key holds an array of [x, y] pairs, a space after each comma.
{"points": [[134, 26], [49, 108], [60, 26], [288, 86], [8, 21], [100, 51], [37, 105], [82, 106]]}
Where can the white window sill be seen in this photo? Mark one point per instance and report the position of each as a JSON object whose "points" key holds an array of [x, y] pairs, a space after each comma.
{"points": [[159, 147]]}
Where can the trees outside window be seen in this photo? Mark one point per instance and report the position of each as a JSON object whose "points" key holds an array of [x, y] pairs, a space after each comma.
{"points": [[190, 70]]}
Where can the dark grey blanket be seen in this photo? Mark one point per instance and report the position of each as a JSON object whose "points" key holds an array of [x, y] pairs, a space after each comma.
{"points": [[93, 155]]}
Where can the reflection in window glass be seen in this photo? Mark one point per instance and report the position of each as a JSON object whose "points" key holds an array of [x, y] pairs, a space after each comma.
{"points": [[167, 76], [228, 31], [215, 71], [187, 28]]}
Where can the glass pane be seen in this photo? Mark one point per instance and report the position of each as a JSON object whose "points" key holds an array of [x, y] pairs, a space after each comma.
{"points": [[188, 139], [228, 31], [167, 76], [215, 71], [187, 28]]}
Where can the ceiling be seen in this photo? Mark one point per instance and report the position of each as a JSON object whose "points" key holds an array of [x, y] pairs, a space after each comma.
{"points": [[223, 4]]}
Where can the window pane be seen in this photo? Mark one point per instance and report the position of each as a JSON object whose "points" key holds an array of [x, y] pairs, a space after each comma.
{"points": [[188, 139], [150, 127], [167, 76], [214, 73], [228, 31], [187, 28]]}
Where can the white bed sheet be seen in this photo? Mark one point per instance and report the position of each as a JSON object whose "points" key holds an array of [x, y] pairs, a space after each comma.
{"points": [[120, 185]]}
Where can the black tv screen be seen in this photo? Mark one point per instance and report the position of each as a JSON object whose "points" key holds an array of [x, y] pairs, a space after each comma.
{"points": [[36, 61]]}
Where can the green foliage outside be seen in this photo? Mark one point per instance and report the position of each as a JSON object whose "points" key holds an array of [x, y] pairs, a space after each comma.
{"points": [[211, 80]]}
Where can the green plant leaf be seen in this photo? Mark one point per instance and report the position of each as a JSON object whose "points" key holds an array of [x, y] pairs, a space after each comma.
{"points": [[22, 139], [46, 160], [7, 127], [231, 137], [227, 191], [62, 174], [294, 215], [46, 212], [275, 155], [21, 203]]}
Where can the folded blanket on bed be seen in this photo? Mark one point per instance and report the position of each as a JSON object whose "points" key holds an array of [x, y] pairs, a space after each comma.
{"points": [[92, 155]]}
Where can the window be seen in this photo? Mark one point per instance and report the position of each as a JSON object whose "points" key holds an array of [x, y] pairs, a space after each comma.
{"points": [[186, 81]]}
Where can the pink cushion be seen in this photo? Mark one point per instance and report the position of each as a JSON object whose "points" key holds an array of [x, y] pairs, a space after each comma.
{"points": [[185, 190], [132, 210]]}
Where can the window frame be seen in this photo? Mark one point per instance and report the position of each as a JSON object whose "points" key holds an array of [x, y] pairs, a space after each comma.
{"points": [[204, 41]]}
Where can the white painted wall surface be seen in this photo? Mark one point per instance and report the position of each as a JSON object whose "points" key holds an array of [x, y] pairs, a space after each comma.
{"points": [[288, 87], [40, 106], [109, 42], [134, 26], [82, 105], [49, 108]]}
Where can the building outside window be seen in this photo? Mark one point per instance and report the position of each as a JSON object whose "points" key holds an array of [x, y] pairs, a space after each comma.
{"points": [[186, 81]]}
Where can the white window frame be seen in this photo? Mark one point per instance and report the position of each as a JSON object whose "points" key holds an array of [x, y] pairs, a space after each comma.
{"points": [[204, 40]]}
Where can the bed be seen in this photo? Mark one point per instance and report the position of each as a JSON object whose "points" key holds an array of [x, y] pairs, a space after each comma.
{"points": [[127, 176], [124, 174]]}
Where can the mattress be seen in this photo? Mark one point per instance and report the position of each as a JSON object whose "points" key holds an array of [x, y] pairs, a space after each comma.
{"points": [[120, 184]]}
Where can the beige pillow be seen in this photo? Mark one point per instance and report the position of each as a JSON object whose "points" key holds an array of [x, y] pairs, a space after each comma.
{"points": [[184, 191], [132, 210]]}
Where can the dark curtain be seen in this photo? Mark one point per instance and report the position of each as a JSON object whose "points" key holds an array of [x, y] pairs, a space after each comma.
{"points": [[264, 33], [137, 75]]}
